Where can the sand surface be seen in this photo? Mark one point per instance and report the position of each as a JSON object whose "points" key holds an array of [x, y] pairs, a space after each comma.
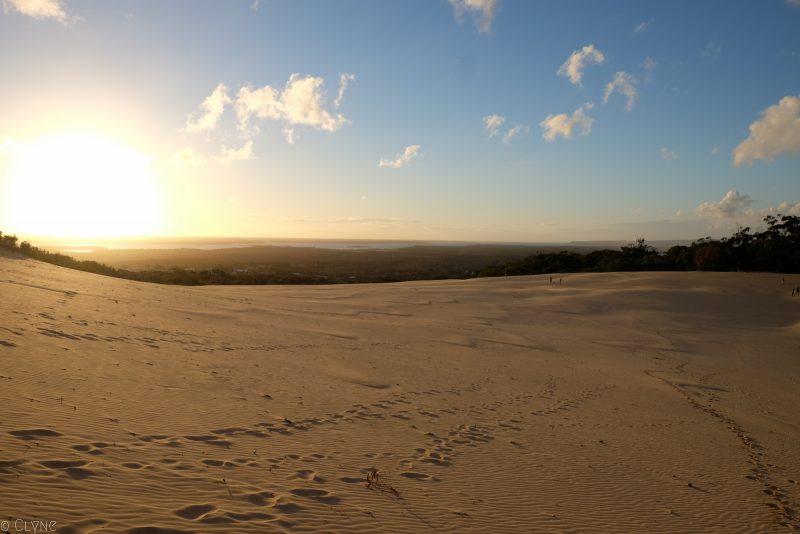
{"points": [[625, 402]]}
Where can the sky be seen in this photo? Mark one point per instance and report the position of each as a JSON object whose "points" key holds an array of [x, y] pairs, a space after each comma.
{"points": [[478, 120]]}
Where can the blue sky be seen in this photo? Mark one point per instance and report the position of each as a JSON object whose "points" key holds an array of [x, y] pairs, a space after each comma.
{"points": [[271, 154]]}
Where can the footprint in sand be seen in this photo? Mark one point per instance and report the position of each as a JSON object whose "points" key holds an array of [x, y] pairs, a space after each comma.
{"points": [[157, 530], [211, 440], [7, 466], [132, 465], [416, 476], [73, 468], [308, 474], [232, 431], [35, 433], [261, 498], [316, 494], [195, 511]]}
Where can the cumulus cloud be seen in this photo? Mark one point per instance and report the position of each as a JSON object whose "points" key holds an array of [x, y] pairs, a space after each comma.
{"points": [[715, 151], [579, 60], [402, 160], [625, 84], [641, 27], [39, 9], [492, 123], [516, 130], [229, 155], [213, 107], [482, 11], [344, 79], [776, 132], [301, 102], [188, 156], [668, 154], [563, 124], [731, 205], [786, 208]]}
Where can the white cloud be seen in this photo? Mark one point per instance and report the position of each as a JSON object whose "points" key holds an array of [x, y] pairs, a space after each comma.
{"points": [[784, 208], [668, 154], [229, 155], [516, 130], [563, 124], [731, 205], [641, 27], [776, 132], [712, 50], [715, 151], [482, 11], [214, 106], [39, 9], [578, 60], [402, 160], [301, 102], [492, 123], [795, 3], [624, 84], [256, 5], [188, 156], [344, 79]]}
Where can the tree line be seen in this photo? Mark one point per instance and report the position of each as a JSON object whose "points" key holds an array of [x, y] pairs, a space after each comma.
{"points": [[775, 249]]}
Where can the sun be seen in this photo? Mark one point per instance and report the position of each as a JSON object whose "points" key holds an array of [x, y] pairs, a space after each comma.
{"points": [[81, 185]]}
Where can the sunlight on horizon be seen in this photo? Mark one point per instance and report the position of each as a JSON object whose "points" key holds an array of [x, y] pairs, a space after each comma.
{"points": [[76, 184]]}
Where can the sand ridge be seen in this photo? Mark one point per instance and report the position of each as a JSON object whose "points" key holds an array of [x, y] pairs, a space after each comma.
{"points": [[620, 402]]}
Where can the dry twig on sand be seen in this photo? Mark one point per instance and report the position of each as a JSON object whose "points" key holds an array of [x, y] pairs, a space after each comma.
{"points": [[376, 480]]}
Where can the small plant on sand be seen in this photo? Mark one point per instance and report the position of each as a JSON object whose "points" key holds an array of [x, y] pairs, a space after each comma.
{"points": [[375, 480]]}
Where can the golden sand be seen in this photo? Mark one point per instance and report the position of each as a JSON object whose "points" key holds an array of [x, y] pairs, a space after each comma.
{"points": [[625, 402]]}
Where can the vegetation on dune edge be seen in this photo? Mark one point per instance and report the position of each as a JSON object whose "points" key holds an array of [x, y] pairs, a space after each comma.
{"points": [[776, 249]]}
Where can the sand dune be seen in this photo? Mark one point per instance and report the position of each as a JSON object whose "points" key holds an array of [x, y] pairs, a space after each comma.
{"points": [[628, 402]]}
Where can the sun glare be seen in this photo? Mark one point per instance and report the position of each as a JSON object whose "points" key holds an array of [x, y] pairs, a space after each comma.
{"points": [[81, 185]]}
